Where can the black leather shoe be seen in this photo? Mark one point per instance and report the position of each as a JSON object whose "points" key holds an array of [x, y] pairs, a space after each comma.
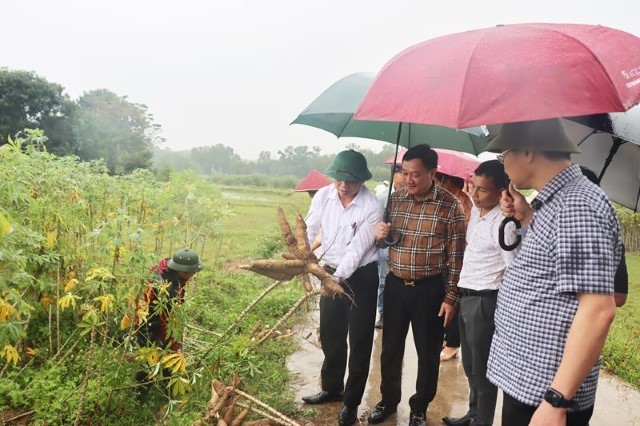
{"points": [[348, 415], [417, 418], [458, 421], [322, 397], [381, 412]]}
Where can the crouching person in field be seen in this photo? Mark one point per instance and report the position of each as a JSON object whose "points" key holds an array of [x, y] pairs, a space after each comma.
{"points": [[164, 292]]}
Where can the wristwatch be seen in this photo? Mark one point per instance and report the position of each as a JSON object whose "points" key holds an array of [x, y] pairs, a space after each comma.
{"points": [[556, 399]]}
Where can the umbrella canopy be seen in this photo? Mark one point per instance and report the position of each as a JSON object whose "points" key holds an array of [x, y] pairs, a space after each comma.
{"points": [[508, 73], [612, 151], [610, 145], [333, 111], [452, 163], [312, 182]]}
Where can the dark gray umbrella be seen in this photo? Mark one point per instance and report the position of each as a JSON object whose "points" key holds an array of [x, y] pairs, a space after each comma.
{"points": [[610, 145]]}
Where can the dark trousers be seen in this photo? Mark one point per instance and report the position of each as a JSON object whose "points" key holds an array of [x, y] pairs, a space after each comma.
{"points": [[452, 333], [515, 413], [339, 318], [417, 306], [476, 331]]}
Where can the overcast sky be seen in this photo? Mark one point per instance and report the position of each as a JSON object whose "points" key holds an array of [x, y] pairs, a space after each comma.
{"points": [[238, 72]]}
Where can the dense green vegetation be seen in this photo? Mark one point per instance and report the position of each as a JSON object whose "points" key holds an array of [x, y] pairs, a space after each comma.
{"points": [[621, 355], [76, 245]]}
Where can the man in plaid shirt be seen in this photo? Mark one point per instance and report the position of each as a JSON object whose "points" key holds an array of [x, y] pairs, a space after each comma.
{"points": [[556, 301], [421, 287]]}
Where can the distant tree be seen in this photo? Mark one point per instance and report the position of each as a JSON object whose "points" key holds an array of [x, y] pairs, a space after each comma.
{"points": [[298, 160], [216, 159], [30, 101], [177, 161], [265, 163], [108, 126]]}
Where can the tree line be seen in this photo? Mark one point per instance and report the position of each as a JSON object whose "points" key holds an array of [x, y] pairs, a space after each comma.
{"points": [[103, 125], [293, 161], [98, 125]]}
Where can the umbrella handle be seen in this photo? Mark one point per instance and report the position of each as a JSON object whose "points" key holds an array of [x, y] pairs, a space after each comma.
{"points": [[392, 239], [501, 241]]}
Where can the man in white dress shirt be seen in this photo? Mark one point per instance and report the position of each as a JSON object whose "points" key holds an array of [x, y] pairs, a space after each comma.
{"points": [[347, 213], [482, 270]]}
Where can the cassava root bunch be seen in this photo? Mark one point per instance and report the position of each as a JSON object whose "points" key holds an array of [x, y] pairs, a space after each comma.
{"points": [[299, 260], [221, 409]]}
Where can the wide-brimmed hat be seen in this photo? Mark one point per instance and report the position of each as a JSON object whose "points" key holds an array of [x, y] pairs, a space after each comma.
{"points": [[185, 260], [349, 166], [539, 135]]}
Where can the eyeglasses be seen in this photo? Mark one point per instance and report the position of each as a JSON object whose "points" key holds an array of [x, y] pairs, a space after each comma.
{"points": [[500, 157]]}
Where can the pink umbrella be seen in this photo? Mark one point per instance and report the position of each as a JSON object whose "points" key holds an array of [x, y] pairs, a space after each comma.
{"points": [[508, 73], [452, 163]]}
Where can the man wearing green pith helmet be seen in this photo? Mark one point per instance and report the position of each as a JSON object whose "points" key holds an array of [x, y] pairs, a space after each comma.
{"points": [[170, 277], [346, 212]]}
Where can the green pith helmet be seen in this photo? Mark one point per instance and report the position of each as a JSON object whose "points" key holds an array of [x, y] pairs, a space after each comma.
{"points": [[185, 260], [349, 166]]}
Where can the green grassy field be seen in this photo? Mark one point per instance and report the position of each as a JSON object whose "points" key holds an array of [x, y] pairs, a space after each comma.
{"points": [[254, 222], [621, 355]]}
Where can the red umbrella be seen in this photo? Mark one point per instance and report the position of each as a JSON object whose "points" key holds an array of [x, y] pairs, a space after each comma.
{"points": [[452, 163], [508, 73], [312, 182]]}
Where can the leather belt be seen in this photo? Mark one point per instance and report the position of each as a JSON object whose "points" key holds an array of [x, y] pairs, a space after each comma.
{"points": [[414, 281], [469, 292]]}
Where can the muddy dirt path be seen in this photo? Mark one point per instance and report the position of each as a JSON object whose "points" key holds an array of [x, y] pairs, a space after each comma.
{"points": [[617, 403]]}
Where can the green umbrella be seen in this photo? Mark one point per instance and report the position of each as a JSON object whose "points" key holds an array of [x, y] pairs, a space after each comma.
{"points": [[333, 111]]}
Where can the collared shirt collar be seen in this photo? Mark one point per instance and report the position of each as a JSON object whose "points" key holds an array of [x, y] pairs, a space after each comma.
{"points": [[357, 200], [496, 210], [554, 185]]}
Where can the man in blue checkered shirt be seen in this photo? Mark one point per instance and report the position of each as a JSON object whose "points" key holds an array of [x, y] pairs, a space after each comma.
{"points": [[556, 302]]}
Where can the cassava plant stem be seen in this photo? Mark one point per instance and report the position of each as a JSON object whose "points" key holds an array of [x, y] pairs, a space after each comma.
{"points": [[287, 315], [282, 418], [251, 306], [85, 383]]}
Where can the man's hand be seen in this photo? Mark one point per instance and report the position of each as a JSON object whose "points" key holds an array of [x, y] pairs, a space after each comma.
{"points": [[547, 415], [382, 230], [513, 204], [448, 311]]}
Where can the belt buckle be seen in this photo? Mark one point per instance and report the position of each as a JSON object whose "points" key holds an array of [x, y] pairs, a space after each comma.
{"points": [[411, 283]]}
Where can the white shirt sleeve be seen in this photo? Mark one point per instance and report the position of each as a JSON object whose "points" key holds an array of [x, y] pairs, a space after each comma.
{"points": [[314, 216], [362, 241], [510, 233]]}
